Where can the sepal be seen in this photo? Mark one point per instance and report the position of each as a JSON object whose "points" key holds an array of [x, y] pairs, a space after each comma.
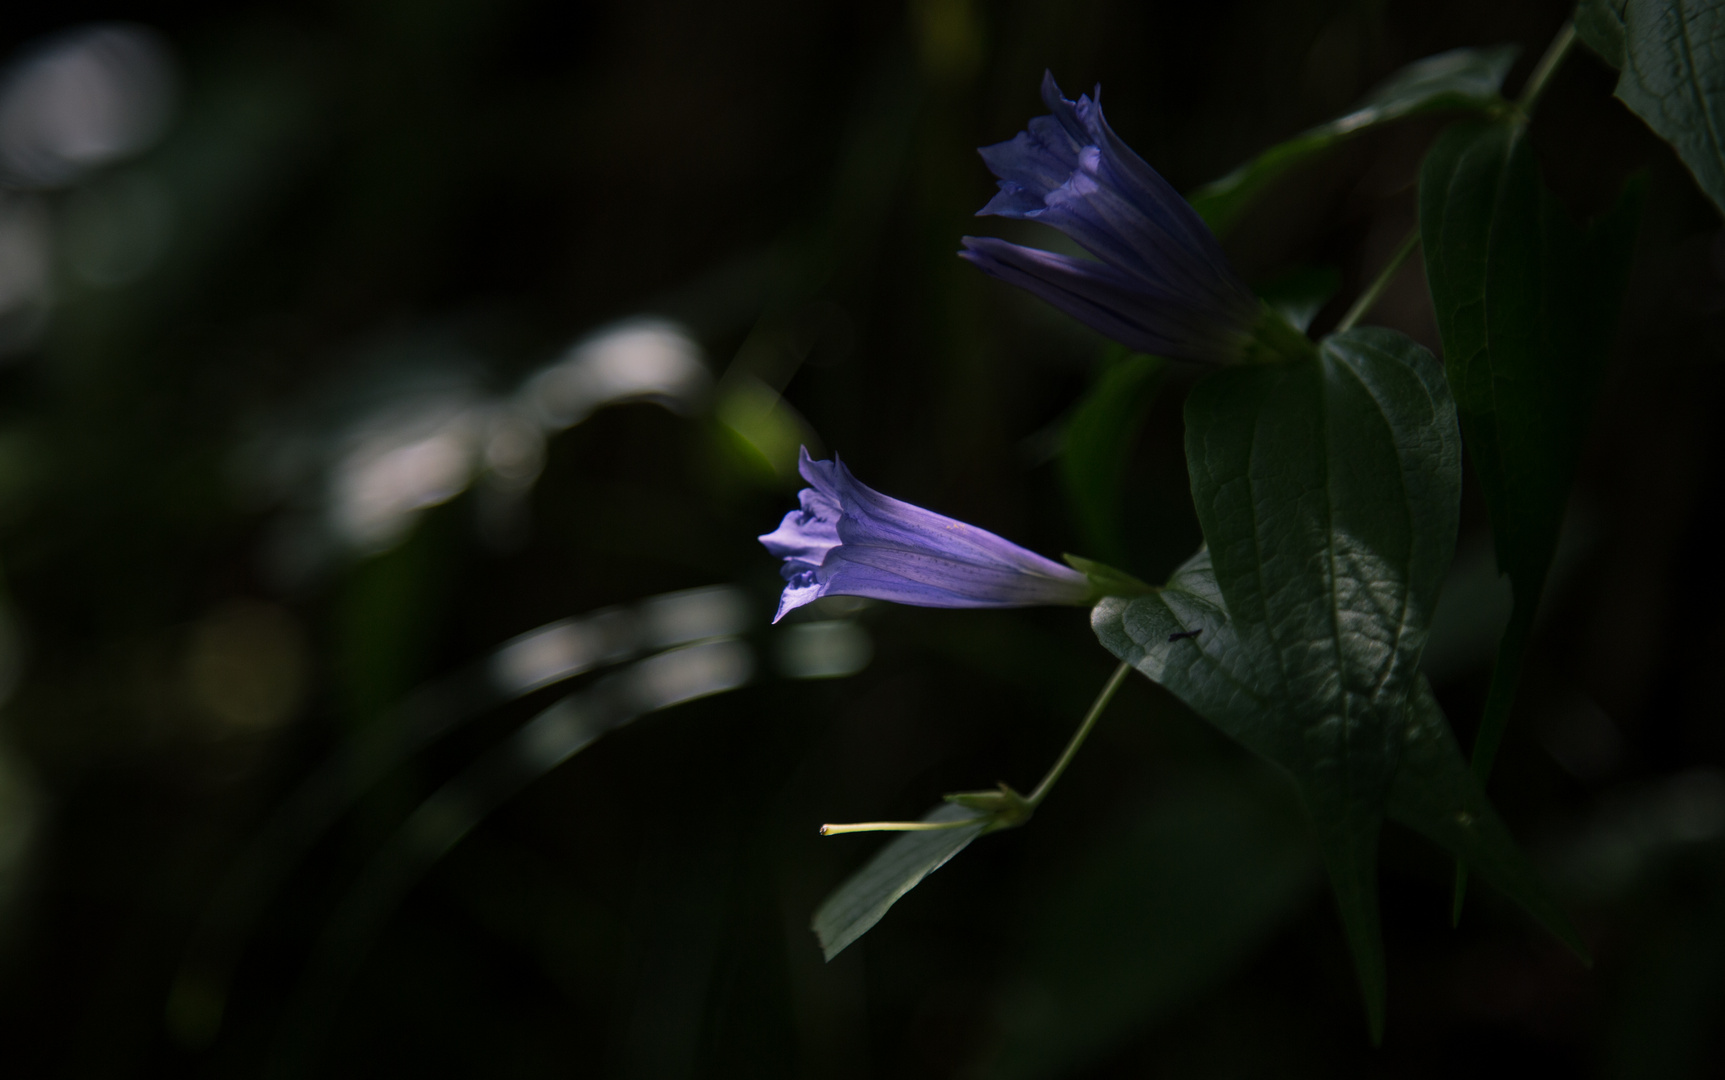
{"points": [[1106, 580]]}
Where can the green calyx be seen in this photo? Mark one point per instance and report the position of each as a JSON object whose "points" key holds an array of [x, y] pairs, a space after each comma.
{"points": [[1274, 340], [1005, 808], [1105, 580]]}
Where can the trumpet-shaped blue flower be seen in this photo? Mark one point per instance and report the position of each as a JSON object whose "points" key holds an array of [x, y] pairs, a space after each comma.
{"points": [[1162, 284], [850, 540]]}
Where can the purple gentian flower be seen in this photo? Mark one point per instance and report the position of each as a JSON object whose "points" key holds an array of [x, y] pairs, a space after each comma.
{"points": [[1162, 286], [850, 540]]}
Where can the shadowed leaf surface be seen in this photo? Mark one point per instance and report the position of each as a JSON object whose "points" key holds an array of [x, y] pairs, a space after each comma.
{"points": [[1526, 303], [1328, 494], [1672, 57]]}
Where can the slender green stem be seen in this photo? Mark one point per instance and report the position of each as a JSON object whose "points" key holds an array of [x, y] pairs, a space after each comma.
{"points": [[1006, 807], [1078, 737], [1376, 289], [1505, 676], [1554, 54], [895, 826]]}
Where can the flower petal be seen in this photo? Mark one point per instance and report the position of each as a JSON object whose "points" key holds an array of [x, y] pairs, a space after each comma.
{"points": [[1106, 300], [915, 577], [848, 539], [806, 534], [802, 588], [1069, 170]]}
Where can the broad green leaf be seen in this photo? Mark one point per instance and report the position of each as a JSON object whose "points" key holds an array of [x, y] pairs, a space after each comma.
{"points": [[1671, 54], [1328, 492], [1223, 676], [1432, 792], [1099, 444], [854, 907], [1526, 303], [1462, 79]]}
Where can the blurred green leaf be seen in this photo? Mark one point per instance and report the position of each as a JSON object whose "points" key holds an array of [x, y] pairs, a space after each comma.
{"points": [[1526, 303], [442, 820], [1328, 492], [854, 907], [1468, 79], [1099, 444], [1163, 907], [1672, 59], [763, 426]]}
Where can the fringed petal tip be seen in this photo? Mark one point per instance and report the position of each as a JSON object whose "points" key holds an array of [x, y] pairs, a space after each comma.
{"points": [[800, 590]]}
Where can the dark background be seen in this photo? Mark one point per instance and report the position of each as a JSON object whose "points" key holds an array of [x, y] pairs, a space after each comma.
{"points": [[365, 222]]}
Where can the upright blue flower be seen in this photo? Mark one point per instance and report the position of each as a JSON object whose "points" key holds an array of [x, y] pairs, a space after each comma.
{"points": [[1162, 286], [850, 540]]}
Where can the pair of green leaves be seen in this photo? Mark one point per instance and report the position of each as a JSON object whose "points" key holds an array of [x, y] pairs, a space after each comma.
{"points": [[1328, 491]]}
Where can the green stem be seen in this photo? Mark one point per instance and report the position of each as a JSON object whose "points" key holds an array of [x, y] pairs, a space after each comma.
{"points": [[1505, 676], [1078, 737], [1376, 289], [1004, 808], [1554, 54]]}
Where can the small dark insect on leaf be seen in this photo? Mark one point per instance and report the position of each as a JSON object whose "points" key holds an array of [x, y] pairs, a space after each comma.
{"points": [[1184, 634]]}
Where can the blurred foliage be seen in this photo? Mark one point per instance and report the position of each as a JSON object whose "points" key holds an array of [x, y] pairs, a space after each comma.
{"points": [[368, 263]]}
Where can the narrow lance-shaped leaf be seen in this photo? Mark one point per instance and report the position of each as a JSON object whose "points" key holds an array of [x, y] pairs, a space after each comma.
{"points": [[1672, 57], [1526, 303], [1098, 442], [1462, 79], [897, 868], [1328, 493]]}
